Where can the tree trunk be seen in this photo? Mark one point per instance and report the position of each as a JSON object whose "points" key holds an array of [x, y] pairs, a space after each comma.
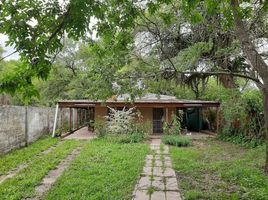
{"points": [[265, 103], [257, 63]]}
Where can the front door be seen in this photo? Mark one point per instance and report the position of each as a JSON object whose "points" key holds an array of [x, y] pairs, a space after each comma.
{"points": [[158, 114]]}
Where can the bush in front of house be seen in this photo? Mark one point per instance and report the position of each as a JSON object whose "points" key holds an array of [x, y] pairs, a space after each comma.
{"points": [[125, 138], [122, 126], [175, 127], [176, 140]]}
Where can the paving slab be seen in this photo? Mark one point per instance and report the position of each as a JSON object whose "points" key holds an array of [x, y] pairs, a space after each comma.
{"points": [[144, 183], [171, 184], [168, 164], [158, 195], [141, 195], [147, 171], [81, 134], [158, 171], [54, 174], [167, 159], [158, 174], [169, 172], [158, 183], [148, 163], [173, 196], [158, 163]]}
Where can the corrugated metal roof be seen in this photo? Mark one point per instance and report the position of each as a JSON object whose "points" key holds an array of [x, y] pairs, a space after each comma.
{"points": [[147, 98]]}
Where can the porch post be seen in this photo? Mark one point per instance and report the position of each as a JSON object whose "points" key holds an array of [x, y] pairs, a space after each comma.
{"points": [[55, 120], [217, 119], [70, 119], [77, 117], [167, 115]]}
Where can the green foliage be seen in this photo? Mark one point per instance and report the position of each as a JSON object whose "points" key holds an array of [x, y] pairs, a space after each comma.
{"points": [[243, 120], [24, 155], [242, 140], [23, 184], [175, 127], [175, 140], [253, 99], [126, 138], [187, 58], [122, 127], [100, 128], [103, 170], [120, 121], [220, 170]]}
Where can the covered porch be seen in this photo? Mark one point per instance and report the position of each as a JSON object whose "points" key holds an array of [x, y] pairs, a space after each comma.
{"points": [[154, 109]]}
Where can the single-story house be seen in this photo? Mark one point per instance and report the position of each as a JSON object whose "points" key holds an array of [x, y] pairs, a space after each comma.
{"points": [[154, 109]]}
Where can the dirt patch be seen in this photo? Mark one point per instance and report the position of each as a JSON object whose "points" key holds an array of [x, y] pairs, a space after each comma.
{"points": [[207, 183]]}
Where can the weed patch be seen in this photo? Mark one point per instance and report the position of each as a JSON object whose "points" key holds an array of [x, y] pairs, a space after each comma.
{"points": [[175, 140], [220, 170]]}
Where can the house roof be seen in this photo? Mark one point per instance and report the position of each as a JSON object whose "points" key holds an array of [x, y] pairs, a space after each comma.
{"points": [[147, 100]]}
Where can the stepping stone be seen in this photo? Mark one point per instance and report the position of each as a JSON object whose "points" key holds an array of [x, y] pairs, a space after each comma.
{"points": [[54, 174], [167, 159], [156, 142], [158, 171], [144, 183], [155, 147], [12, 173], [169, 172], [173, 196], [165, 152], [141, 195], [158, 183], [171, 184], [148, 163], [168, 164], [164, 177], [157, 157], [147, 171], [158, 195], [158, 163], [157, 151]]}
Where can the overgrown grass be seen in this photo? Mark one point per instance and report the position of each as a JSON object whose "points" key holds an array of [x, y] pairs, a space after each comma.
{"points": [[176, 140], [23, 155], [125, 138], [22, 185], [242, 140], [211, 169], [103, 170]]}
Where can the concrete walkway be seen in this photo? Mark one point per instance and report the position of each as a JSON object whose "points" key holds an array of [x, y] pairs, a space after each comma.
{"points": [[81, 134], [158, 179]]}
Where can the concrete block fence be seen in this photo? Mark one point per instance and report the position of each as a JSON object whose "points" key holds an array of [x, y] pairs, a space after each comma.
{"points": [[22, 125]]}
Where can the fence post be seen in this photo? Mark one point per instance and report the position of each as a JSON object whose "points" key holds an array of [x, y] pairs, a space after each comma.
{"points": [[26, 126]]}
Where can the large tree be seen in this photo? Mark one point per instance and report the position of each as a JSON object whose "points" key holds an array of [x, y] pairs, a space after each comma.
{"points": [[36, 29]]}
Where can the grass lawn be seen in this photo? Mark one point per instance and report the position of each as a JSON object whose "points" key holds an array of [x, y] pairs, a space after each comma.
{"points": [[23, 155], [103, 170], [211, 169], [23, 184]]}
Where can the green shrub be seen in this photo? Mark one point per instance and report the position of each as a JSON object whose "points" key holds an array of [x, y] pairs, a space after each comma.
{"points": [[175, 140], [243, 119], [241, 140], [100, 128], [175, 127], [125, 138]]}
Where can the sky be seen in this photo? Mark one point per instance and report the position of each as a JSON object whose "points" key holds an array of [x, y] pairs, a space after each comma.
{"points": [[8, 49]]}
